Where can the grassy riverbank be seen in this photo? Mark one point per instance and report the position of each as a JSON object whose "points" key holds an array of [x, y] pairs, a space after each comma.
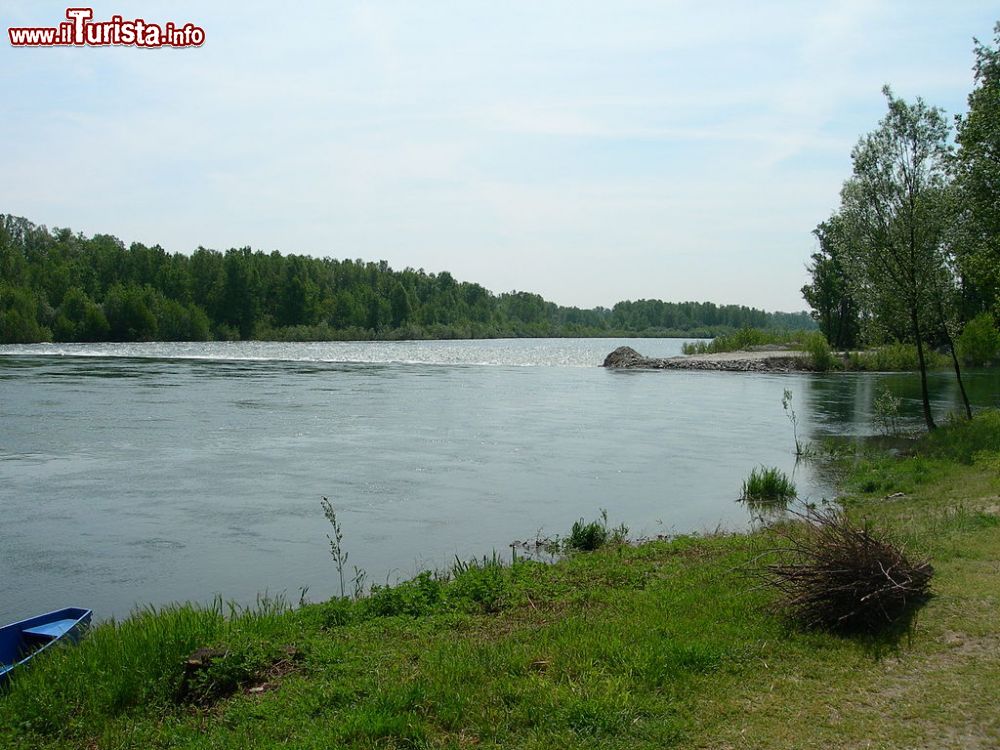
{"points": [[894, 357], [664, 644]]}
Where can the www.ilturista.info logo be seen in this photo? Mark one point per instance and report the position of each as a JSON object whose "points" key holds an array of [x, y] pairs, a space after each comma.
{"points": [[80, 30]]}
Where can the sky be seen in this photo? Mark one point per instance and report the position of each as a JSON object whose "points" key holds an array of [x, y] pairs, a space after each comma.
{"points": [[587, 151]]}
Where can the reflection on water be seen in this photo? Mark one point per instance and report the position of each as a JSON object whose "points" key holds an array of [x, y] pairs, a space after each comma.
{"points": [[841, 404], [183, 474]]}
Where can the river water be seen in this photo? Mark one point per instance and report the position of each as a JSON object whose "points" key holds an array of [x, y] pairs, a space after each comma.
{"points": [[134, 474]]}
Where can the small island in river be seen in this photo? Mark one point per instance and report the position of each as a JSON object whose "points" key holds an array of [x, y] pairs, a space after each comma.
{"points": [[766, 359]]}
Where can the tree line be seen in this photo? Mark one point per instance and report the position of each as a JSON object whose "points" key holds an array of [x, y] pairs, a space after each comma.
{"points": [[61, 286], [912, 254]]}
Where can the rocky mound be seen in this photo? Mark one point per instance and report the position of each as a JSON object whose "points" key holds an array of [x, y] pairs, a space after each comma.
{"points": [[770, 360], [625, 356]]}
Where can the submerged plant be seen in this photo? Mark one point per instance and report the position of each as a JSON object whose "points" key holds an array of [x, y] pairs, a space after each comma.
{"points": [[767, 485]]}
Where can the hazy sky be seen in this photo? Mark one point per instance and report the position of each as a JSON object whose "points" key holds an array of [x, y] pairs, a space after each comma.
{"points": [[589, 151]]}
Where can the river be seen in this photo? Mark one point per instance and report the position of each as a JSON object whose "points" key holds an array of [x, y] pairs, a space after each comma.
{"points": [[135, 474]]}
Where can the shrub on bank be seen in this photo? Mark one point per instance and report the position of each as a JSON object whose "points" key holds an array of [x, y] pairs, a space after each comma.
{"points": [[979, 343], [894, 357], [834, 574], [820, 357]]}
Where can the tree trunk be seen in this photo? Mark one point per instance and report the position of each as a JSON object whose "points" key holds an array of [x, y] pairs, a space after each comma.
{"points": [[958, 374], [954, 358], [928, 417]]}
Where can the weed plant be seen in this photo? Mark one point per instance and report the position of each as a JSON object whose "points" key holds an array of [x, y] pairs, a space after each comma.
{"points": [[786, 404], [337, 551], [587, 537], [767, 485]]}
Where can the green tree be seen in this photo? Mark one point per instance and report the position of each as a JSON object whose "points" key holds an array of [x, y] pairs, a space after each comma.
{"points": [[19, 313], [298, 302], [173, 279], [400, 305], [241, 300], [895, 211], [98, 288], [94, 326], [13, 266], [129, 315], [346, 312], [980, 341], [80, 318], [977, 171], [829, 294], [207, 270], [108, 256], [177, 322], [378, 312]]}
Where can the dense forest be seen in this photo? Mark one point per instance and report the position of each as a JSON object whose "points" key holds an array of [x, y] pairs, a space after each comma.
{"points": [[61, 286]]}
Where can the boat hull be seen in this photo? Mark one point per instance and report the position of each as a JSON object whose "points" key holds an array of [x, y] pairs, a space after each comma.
{"points": [[22, 641]]}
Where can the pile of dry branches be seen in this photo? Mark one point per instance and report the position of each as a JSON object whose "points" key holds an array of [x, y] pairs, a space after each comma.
{"points": [[837, 575]]}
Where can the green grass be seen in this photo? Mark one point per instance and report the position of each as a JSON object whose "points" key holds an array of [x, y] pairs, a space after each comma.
{"points": [[895, 357], [665, 644], [767, 485], [745, 338], [964, 441]]}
